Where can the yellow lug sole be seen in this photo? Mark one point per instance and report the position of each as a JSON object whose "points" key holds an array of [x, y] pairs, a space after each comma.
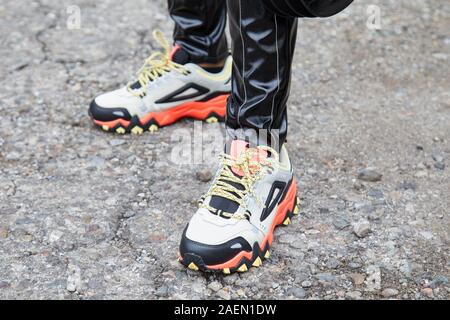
{"points": [[296, 209], [257, 262], [243, 268], [212, 120], [137, 130], [120, 130], [193, 266], [153, 128]]}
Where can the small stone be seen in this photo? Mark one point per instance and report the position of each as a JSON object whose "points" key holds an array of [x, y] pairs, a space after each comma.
{"points": [[375, 193], [96, 162], [116, 142], [388, 292], [306, 284], [438, 281], [367, 208], [439, 165], [373, 281], [354, 265], [231, 279], [71, 286], [362, 228], [325, 277], [197, 287], [55, 235], [225, 295], [407, 185], [111, 201], [428, 292], [74, 279], [437, 157], [3, 233], [355, 295], [4, 284], [340, 223], [129, 214], [299, 293], [204, 175], [358, 186], [357, 278], [162, 291], [427, 235], [240, 292], [332, 263], [369, 175], [421, 174], [215, 286]]}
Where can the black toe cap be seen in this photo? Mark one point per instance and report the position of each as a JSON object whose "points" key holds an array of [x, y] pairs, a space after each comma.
{"points": [[213, 254], [108, 114]]}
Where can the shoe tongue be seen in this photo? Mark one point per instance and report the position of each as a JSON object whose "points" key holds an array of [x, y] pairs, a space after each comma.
{"points": [[178, 55], [237, 148]]}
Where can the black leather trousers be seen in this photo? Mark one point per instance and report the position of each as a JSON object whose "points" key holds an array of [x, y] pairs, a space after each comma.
{"points": [[262, 46], [200, 28]]}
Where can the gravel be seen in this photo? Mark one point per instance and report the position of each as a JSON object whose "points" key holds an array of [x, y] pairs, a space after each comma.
{"points": [[89, 215]]}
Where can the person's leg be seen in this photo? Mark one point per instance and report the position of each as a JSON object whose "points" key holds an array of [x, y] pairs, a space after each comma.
{"points": [[254, 190], [199, 28], [262, 45]]}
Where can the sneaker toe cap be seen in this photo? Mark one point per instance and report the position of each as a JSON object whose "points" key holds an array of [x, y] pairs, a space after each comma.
{"points": [[103, 113], [213, 254]]}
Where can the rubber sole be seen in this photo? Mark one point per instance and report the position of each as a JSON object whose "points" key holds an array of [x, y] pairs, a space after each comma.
{"points": [[211, 111], [244, 260]]}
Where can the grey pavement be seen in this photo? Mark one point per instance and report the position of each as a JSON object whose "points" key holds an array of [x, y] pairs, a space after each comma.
{"points": [[89, 215]]}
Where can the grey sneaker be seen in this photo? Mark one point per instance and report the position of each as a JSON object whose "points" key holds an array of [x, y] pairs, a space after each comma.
{"points": [[253, 192]]}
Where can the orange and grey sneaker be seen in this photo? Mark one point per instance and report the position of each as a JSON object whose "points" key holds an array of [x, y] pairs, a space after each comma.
{"points": [[233, 229], [168, 88]]}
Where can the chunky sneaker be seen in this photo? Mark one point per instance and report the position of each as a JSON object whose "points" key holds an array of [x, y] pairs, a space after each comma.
{"points": [[168, 88], [253, 192]]}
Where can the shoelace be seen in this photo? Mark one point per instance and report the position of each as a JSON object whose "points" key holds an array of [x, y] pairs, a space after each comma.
{"points": [[252, 172], [157, 64]]}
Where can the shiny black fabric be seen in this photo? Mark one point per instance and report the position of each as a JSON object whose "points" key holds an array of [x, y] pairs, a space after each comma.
{"points": [[307, 8], [199, 28], [263, 45]]}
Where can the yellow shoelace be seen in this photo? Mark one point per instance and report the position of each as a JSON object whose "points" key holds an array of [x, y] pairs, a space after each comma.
{"points": [[252, 172], [157, 64]]}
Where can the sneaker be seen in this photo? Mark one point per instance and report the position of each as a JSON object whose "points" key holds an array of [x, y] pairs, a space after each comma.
{"points": [[253, 192], [168, 88]]}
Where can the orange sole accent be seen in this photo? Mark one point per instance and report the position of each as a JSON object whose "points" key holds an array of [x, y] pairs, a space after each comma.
{"points": [[287, 205], [196, 110]]}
